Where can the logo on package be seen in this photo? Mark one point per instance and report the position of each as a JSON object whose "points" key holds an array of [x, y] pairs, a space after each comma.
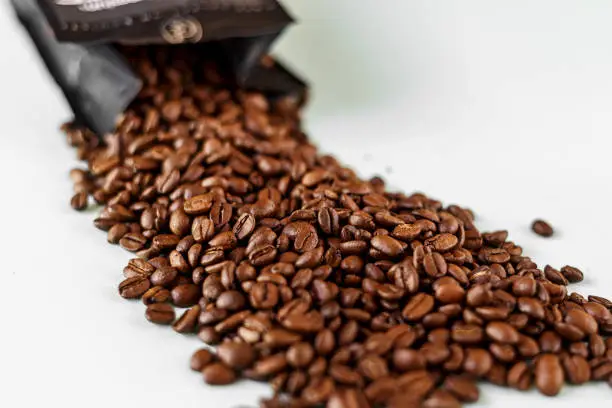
{"points": [[178, 30], [95, 5]]}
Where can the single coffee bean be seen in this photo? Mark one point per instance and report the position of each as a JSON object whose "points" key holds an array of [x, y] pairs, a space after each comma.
{"points": [[117, 232], [185, 295], [549, 376], [79, 201], [348, 398], [201, 359], [188, 321], [477, 362], [542, 228], [462, 388], [133, 242], [502, 333], [441, 399], [134, 287], [156, 294], [160, 313], [300, 355], [577, 369], [418, 306], [582, 320], [199, 204], [244, 226], [236, 355], [519, 376], [218, 374]]}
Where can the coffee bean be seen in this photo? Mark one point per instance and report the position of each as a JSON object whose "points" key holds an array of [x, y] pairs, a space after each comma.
{"points": [[332, 288], [138, 268], [270, 365], [79, 201], [264, 295], [218, 374], [573, 275], [133, 242], [300, 355], [188, 321], [441, 399], [542, 228], [519, 376], [406, 360], [160, 313], [164, 276], [373, 367], [244, 226], [201, 359], [199, 204], [185, 295], [236, 355], [463, 388], [387, 245], [134, 287], [156, 294], [406, 276], [502, 333], [418, 307], [577, 369], [477, 362], [434, 265], [116, 232], [231, 300], [549, 375], [582, 320], [348, 398]]}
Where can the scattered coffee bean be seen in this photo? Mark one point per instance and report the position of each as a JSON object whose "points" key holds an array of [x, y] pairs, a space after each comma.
{"points": [[542, 228], [201, 359], [79, 201], [331, 288], [160, 313]]}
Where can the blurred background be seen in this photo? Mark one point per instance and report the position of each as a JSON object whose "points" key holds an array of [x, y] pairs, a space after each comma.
{"points": [[503, 106]]}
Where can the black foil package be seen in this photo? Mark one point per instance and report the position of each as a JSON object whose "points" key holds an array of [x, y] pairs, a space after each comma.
{"points": [[79, 41]]}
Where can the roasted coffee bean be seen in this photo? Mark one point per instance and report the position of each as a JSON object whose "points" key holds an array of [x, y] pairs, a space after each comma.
{"points": [[79, 201], [134, 287], [542, 228], [133, 242], [218, 374], [573, 275], [164, 276], [502, 333], [519, 376], [201, 359], [300, 355], [160, 313], [441, 399], [185, 295], [335, 290], [582, 320], [156, 294], [477, 362], [418, 306], [188, 321], [577, 369], [236, 355], [348, 398], [463, 388], [549, 377], [199, 204]]}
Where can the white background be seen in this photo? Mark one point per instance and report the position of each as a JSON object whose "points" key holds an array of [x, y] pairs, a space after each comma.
{"points": [[503, 106]]}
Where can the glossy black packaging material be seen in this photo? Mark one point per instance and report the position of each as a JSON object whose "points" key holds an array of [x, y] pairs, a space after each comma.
{"points": [[78, 40]]}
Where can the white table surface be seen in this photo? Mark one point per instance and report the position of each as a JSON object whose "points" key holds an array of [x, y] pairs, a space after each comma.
{"points": [[503, 106]]}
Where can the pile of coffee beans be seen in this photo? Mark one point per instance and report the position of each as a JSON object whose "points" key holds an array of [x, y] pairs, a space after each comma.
{"points": [[333, 289]]}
